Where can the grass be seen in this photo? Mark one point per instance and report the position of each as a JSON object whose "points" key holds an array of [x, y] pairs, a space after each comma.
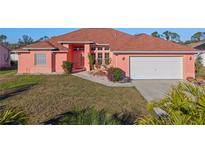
{"points": [[20, 81], [58, 94], [6, 73]]}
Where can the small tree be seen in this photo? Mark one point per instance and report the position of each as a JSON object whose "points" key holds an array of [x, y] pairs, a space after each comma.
{"points": [[91, 61]]}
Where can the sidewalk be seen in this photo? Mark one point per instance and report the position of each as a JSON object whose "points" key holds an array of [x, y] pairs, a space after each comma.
{"points": [[101, 80]]}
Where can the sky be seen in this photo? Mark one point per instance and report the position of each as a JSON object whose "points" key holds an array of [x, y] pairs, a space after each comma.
{"points": [[14, 34]]}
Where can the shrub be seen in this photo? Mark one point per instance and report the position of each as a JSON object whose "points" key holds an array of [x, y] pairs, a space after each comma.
{"points": [[198, 64], [185, 105], [88, 116], [67, 67], [115, 74], [13, 117]]}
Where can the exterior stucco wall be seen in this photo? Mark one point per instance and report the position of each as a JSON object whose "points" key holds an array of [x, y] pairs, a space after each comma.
{"points": [[27, 64], [189, 66], [58, 59], [4, 57], [122, 61]]}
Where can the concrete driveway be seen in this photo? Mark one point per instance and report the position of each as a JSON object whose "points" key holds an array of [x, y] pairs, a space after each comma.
{"points": [[154, 89]]}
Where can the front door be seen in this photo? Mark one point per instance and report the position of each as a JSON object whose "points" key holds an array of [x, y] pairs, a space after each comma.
{"points": [[78, 60]]}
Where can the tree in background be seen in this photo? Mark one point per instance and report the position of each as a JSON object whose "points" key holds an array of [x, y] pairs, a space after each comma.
{"points": [[25, 40], [167, 35], [172, 36], [43, 38], [3, 39], [199, 36], [156, 34]]}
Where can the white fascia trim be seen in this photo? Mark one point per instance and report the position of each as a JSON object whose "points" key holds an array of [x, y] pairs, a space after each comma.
{"points": [[200, 51], [102, 44], [76, 42], [39, 48], [141, 52]]}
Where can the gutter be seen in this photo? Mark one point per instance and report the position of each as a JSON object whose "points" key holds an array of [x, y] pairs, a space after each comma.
{"points": [[148, 52], [39, 48], [76, 42]]}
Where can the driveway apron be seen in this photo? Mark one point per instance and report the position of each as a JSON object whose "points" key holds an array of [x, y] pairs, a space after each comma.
{"points": [[154, 89]]}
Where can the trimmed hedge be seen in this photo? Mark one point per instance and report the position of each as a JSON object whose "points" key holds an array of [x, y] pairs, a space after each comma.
{"points": [[115, 74], [67, 67]]}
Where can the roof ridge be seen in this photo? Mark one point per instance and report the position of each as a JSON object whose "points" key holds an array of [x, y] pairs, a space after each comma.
{"points": [[47, 41], [167, 41], [66, 33]]}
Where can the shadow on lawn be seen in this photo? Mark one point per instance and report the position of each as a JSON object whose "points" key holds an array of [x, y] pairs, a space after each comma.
{"points": [[93, 118], [14, 92]]}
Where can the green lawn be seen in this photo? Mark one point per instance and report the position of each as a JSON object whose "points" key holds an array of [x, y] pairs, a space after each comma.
{"points": [[5, 73], [58, 94], [20, 81]]}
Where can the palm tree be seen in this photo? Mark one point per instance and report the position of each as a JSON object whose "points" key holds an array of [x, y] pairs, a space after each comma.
{"points": [[185, 105], [13, 117]]}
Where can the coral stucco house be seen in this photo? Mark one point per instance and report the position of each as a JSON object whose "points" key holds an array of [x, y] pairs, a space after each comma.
{"points": [[140, 56], [4, 56]]}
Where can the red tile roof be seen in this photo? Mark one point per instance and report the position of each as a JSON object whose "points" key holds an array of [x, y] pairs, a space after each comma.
{"points": [[118, 41], [44, 44]]}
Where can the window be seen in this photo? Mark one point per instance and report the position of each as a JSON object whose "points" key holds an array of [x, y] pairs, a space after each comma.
{"points": [[99, 58], [107, 58], [100, 48], [107, 48], [93, 48], [40, 59]]}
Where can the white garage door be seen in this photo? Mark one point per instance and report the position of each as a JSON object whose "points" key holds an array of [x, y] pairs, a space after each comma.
{"points": [[156, 68]]}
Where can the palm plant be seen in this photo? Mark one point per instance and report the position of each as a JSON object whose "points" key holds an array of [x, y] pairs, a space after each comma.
{"points": [[88, 116], [185, 104], [13, 117]]}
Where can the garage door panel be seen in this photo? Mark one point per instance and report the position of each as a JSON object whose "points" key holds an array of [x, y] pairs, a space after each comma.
{"points": [[156, 67]]}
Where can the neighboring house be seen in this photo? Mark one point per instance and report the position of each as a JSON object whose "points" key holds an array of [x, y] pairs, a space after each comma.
{"points": [[14, 55], [200, 47], [4, 56], [140, 56]]}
